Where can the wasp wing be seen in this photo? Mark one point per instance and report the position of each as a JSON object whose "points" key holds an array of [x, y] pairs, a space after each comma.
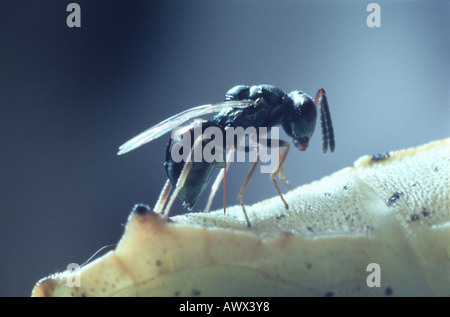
{"points": [[171, 123]]}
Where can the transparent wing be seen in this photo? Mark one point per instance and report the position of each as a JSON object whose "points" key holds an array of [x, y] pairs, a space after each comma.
{"points": [[171, 123]]}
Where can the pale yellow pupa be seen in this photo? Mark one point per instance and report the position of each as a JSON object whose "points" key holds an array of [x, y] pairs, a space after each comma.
{"points": [[381, 227]]}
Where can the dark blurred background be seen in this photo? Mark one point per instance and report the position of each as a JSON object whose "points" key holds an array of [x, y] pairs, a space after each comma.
{"points": [[70, 96]]}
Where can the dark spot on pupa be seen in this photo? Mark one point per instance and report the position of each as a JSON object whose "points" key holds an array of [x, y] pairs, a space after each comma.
{"points": [[141, 209], [83, 295], [177, 293], [380, 157], [280, 217], [327, 194], [195, 292], [345, 187], [388, 291], [394, 198], [308, 265], [310, 229], [414, 217], [425, 213], [329, 294], [158, 262], [436, 169], [370, 228]]}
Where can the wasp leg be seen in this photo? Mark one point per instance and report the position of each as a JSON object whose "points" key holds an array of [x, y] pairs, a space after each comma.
{"points": [[214, 188], [216, 184], [274, 174], [182, 179], [244, 186], [163, 197], [281, 174], [279, 166]]}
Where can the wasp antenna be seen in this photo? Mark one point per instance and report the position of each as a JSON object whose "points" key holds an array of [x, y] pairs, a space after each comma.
{"points": [[324, 130], [320, 100], [329, 124]]}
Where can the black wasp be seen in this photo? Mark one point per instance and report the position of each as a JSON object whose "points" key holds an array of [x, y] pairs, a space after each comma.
{"points": [[244, 106]]}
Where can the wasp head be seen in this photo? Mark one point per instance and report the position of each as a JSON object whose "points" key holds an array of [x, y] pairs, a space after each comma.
{"points": [[299, 124]]}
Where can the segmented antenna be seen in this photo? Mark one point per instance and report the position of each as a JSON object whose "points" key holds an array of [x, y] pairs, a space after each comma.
{"points": [[324, 128], [325, 120]]}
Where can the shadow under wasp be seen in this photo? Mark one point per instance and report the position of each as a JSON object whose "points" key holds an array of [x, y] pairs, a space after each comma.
{"points": [[244, 106]]}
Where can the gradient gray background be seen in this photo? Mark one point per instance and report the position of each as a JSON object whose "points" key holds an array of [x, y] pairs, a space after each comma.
{"points": [[70, 97]]}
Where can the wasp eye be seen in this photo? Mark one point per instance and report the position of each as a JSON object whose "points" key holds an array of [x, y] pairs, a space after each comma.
{"points": [[308, 111]]}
